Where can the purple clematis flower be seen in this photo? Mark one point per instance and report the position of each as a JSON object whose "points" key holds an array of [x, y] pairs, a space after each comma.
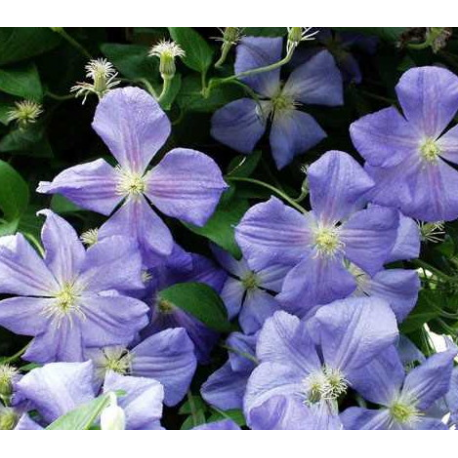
{"points": [[164, 315], [167, 357], [320, 244], [225, 388], [306, 366], [70, 299], [246, 292], [186, 184], [242, 123], [407, 153], [406, 399], [59, 388]]}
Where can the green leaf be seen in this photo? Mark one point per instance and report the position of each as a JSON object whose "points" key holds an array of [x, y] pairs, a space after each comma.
{"points": [[5, 107], [244, 165], [132, 61], [428, 308], [192, 421], [198, 52], [19, 43], [190, 96], [83, 417], [31, 141], [14, 193], [201, 301], [169, 98], [23, 81], [390, 34], [186, 409], [61, 205], [220, 227]]}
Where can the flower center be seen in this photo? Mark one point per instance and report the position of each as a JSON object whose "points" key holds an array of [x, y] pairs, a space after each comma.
{"points": [[117, 359], [165, 307], [429, 151], [90, 237], [65, 305], [327, 385], [282, 102], [250, 281], [404, 413], [130, 183], [327, 241]]}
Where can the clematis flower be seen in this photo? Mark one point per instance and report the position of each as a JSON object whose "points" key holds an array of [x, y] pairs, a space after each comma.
{"points": [[164, 315], [167, 357], [70, 299], [320, 244], [405, 398], [242, 123], [186, 184], [246, 292], [407, 154], [306, 367], [225, 388], [59, 388]]}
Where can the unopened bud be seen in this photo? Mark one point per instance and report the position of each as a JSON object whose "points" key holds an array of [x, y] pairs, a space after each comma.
{"points": [[113, 417], [8, 418], [8, 375]]}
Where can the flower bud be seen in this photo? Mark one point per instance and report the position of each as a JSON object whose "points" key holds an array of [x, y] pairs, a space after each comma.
{"points": [[8, 418], [113, 417], [167, 51]]}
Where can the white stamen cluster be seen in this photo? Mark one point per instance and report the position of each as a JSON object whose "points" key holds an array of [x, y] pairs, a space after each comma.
{"points": [[298, 34], [167, 51], [326, 240], [7, 375], [65, 306], [404, 411], [327, 385], [103, 76], [429, 152], [90, 237], [431, 232], [24, 113], [130, 183]]}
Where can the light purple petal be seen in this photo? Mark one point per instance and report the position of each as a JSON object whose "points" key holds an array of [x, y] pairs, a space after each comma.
{"points": [[186, 185], [112, 263], [315, 281], [58, 388], [222, 425], [399, 288], [293, 132], [272, 379], [429, 98], [60, 341], [168, 357], [24, 315], [338, 186], [255, 52], [452, 396], [280, 413], [22, 270], [91, 186], [142, 402], [354, 331], [272, 232], [316, 82], [232, 295], [132, 125], [431, 380], [365, 419], [323, 417], [137, 220], [284, 339], [271, 277], [385, 138], [239, 124], [407, 245], [380, 380], [257, 307], [369, 236], [25, 423], [237, 268], [225, 388], [245, 346], [64, 251], [429, 424], [434, 188], [112, 319], [448, 145]]}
